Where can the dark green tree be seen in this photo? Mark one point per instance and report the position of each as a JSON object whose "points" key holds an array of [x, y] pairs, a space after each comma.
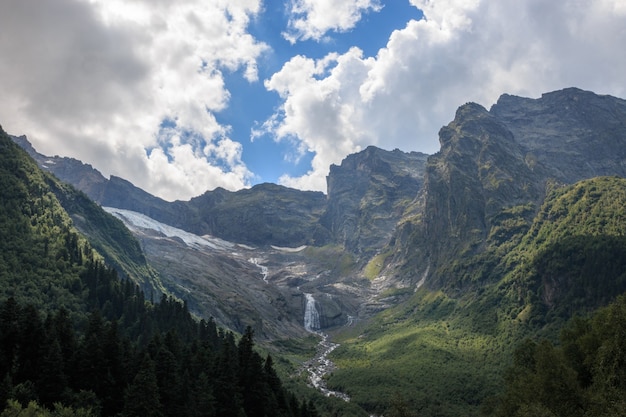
{"points": [[202, 401], [141, 398]]}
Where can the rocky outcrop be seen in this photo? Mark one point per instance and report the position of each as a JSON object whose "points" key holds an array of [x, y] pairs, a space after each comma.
{"points": [[266, 214], [72, 171], [486, 184], [367, 195], [574, 134]]}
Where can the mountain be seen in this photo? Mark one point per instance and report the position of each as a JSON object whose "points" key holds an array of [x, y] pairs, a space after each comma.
{"points": [[428, 270], [106, 234], [337, 235], [512, 234], [77, 339], [267, 214], [484, 186], [367, 195]]}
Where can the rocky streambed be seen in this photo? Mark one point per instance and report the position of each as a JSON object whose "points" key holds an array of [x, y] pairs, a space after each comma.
{"points": [[320, 366]]}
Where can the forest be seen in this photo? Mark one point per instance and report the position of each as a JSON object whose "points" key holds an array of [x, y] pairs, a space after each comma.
{"points": [[77, 339], [584, 374], [134, 358]]}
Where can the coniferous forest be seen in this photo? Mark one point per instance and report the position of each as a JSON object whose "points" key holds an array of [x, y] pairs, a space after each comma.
{"points": [[76, 339], [132, 358]]}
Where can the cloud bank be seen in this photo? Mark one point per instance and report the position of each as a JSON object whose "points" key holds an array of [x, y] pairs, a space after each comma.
{"points": [[134, 87], [101, 79], [463, 50]]}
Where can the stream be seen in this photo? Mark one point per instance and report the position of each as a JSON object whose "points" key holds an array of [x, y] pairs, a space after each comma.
{"points": [[319, 366]]}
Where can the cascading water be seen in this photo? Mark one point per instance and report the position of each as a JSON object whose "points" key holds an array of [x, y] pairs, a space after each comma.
{"points": [[320, 365], [311, 315]]}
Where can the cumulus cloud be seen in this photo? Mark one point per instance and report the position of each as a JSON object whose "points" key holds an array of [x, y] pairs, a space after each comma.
{"points": [[134, 87], [96, 79], [462, 50], [312, 19]]}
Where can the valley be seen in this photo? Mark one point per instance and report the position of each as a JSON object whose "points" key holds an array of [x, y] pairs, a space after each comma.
{"points": [[416, 277], [190, 267]]}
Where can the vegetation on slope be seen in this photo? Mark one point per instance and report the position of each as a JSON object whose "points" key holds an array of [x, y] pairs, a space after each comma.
{"points": [[76, 338], [444, 352], [585, 375], [133, 358], [41, 254], [108, 236]]}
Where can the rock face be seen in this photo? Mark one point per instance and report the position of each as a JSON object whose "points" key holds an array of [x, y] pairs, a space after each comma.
{"points": [[265, 214], [574, 134], [400, 219], [367, 195], [491, 175], [479, 173]]}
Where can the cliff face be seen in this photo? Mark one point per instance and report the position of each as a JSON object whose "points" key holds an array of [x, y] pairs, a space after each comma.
{"points": [[393, 220], [574, 134], [494, 168], [266, 214], [367, 195]]}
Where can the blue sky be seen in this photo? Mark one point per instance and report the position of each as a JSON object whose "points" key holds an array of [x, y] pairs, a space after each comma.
{"points": [[183, 97], [251, 103]]}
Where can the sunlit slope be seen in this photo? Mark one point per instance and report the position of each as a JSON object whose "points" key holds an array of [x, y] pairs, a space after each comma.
{"points": [[444, 352]]}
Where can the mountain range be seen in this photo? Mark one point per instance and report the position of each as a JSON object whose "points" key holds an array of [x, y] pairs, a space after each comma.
{"points": [[512, 228]]}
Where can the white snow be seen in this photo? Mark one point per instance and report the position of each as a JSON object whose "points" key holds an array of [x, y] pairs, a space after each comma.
{"points": [[138, 221], [283, 249]]}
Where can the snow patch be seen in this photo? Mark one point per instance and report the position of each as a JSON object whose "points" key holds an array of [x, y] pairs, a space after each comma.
{"points": [[137, 221], [291, 250]]}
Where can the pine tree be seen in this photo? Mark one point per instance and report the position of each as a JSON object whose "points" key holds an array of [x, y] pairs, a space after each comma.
{"points": [[251, 376], [52, 381], [202, 402], [142, 395], [226, 391]]}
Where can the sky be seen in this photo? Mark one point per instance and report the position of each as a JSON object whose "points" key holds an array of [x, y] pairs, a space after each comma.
{"points": [[181, 97]]}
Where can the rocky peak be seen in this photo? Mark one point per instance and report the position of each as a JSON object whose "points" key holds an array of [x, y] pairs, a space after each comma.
{"points": [[493, 167], [266, 214], [575, 134], [479, 172]]}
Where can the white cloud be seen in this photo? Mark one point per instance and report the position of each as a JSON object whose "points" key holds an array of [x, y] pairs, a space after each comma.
{"points": [[463, 50], [312, 19], [95, 79]]}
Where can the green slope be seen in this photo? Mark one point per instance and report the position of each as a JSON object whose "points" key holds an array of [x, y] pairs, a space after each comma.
{"points": [[77, 339], [108, 235], [41, 253], [57, 213], [444, 352]]}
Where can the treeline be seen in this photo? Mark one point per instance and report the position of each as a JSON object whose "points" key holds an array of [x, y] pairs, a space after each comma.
{"points": [[134, 358], [584, 376]]}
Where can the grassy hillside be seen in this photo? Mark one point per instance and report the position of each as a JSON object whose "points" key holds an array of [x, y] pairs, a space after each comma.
{"points": [[444, 352]]}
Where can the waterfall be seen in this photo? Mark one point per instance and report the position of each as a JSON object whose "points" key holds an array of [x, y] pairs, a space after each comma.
{"points": [[311, 315]]}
